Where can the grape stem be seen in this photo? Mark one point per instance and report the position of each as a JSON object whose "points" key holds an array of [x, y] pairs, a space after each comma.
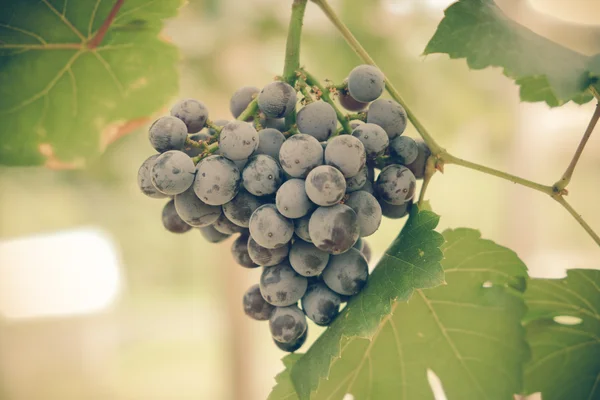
{"points": [[326, 96], [292, 47], [361, 116], [249, 112], [430, 170], [305, 90], [440, 154], [96, 40]]}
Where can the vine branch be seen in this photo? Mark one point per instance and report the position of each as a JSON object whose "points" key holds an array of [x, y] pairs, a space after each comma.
{"points": [[292, 46], [566, 178], [561, 200], [99, 36]]}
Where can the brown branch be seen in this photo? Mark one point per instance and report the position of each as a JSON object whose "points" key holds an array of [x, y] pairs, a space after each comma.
{"points": [[100, 33]]}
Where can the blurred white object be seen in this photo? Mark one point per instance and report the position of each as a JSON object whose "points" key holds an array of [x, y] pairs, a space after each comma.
{"points": [[59, 274]]}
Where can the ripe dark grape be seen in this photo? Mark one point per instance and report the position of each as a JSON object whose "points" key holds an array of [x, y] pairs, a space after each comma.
{"points": [[269, 142], [366, 83], [373, 138], [225, 226], [194, 211], [173, 172], [294, 345], [255, 306], [300, 154], [240, 208], [368, 211], [287, 324], [334, 229], [358, 181], [241, 98], [321, 304], [301, 228], [217, 180], [392, 211], [281, 286], [211, 235], [396, 184], [359, 245], [389, 115], [317, 119], [404, 149], [167, 133], [350, 103], [292, 200], [417, 167], [266, 257], [346, 153], [239, 250], [238, 140], [144, 179], [325, 185], [192, 112], [172, 221], [269, 228], [277, 100], [347, 273], [262, 175], [306, 259]]}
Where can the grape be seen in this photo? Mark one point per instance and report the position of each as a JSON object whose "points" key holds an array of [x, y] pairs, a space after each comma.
{"points": [[240, 208], [292, 200], [172, 221], [325, 185], [194, 211], [239, 249], [334, 229], [368, 187], [355, 123], [269, 142], [350, 103], [269, 228], [192, 112], [396, 184], [241, 164], [300, 154], [217, 180], [238, 140], [317, 119], [360, 243], [301, 228], [321, 304], [287, 324], [366, 251], [225, 226], [417, 167], [306, 259], [405, 149], [373, 138], [281, 286], [294, 345], [144, 179], [393, 211], [262, 175], [167, 133], [173, 172], [389, 115], [255, 306], [266, 123], [346, 273], [366, 83], [277, 100], [266, 257], [358, 181], [211, 235], [346, 153], [241, 99], [368, 211]]}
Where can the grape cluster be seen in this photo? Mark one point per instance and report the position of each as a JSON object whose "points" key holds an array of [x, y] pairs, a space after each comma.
{"points": [[300, 201]]}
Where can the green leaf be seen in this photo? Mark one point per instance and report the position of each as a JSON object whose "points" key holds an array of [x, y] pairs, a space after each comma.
{"points": [[546, 71], [565, 361], [284, 388], [469, 335], [62, 103]]}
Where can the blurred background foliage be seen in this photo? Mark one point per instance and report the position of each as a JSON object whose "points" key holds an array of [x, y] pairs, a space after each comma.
{"points": [[176, 329]]}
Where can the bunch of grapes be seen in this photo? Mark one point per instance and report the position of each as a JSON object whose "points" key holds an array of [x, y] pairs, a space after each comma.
{"points": [[300, 200]]}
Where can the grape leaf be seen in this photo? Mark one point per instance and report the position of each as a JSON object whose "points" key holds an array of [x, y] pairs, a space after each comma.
{"points": [[284, 389], [545, 71], [469, 335], [61, 102], [565, 361]]}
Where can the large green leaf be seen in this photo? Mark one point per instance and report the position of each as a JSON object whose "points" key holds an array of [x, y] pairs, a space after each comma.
{"points": [[411, 262], [61, 102], [546, 71], [467, 332], [284, 389], [565, 360]]}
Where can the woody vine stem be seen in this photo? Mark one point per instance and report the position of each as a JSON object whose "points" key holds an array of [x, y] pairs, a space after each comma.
{"points": [[439, 155]]}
